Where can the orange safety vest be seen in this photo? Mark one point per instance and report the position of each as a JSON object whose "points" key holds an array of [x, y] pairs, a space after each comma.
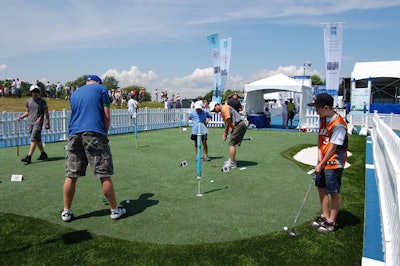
{"points": [[339, 158]]}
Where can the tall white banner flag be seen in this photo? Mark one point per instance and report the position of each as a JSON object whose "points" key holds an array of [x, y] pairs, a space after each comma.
{"points": [[214, 44], [225, 57], [333, 40]]}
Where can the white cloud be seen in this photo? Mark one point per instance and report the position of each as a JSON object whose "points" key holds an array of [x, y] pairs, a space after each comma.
{"points": [[197, 83], [3, 67]]}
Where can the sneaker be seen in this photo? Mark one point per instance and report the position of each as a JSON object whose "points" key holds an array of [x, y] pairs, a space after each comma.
{"points": [[207, 159], [27, 159], [230, 164], [328, 227], [116, 215], [319, 221], [43, 156], [66, 216]]}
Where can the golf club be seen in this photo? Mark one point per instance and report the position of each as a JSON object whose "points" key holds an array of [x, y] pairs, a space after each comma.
{"points": [[292, 233], [218, 155]]}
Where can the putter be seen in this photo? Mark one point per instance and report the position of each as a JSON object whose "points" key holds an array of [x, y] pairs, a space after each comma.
{"points": [[292, 233], [219, 155]]}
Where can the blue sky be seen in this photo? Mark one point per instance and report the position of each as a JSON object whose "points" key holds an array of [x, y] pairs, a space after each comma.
{"points": [[163, 43]]}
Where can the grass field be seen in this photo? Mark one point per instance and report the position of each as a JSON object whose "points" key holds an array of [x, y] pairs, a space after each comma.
{"points": [[11, 104], [238, 221]]}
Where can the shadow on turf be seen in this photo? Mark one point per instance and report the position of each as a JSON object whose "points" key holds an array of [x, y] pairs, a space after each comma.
{"points": [[139, 205], [245, 163], [132, 208], [346, 218], [74, 237]]}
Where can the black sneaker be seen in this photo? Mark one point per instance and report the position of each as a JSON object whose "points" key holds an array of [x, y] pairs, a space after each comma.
{"points": [[328, 227], [26, 160], [43, 156], [319, 221]]}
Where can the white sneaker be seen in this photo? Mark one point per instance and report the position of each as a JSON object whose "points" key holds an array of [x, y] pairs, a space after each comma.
{"points": [[230, 164], [116, 215], [66, 216]]}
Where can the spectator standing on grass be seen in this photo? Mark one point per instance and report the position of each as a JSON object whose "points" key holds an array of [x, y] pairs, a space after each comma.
{"points": [[200, 115], [291, 107], [267, 114], [332, 156], [36, 111], [235, 103], [18, 87], [233, 125], [285, 115], [88, 144]]}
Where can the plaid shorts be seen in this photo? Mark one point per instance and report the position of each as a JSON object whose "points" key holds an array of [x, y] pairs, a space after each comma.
{"points": [[85, 149]]}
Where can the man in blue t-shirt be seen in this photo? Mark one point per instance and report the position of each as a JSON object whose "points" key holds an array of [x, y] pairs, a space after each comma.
{"points": [[200, 117], [88, 144]]}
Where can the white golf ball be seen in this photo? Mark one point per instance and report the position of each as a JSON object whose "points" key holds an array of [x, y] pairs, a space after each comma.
{"points": [[212, 181], [285, 228], [127, 201]]}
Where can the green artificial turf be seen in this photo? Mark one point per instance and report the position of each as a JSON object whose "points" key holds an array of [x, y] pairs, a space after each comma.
{"points": [[238, 221]]}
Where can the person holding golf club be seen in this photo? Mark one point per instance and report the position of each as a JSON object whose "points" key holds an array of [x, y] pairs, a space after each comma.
{"points": [[88, 144], [200, 116], [36, 111], [332, 156], [233, 125]]}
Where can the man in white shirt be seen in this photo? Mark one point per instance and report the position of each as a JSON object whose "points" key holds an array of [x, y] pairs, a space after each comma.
{"points": [[132, 108]]}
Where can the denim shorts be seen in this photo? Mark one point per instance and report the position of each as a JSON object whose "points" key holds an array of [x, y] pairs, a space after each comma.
{"points": [[331, 180], [85, 149]]}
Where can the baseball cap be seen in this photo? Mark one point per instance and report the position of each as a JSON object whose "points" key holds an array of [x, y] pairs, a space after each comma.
{"points": [[212, 106], [198, 105], [95, 78], [34, 87], [322, 100]]}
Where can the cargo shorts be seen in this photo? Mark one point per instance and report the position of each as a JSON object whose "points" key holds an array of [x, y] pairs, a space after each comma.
{"points": [[88, 148]]}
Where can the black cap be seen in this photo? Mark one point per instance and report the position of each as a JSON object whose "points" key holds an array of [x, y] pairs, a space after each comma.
{"points": [[322, 100]]}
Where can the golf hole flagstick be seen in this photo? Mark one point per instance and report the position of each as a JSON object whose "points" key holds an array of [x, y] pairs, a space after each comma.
{"points": [[199, 194], [292, 233]]}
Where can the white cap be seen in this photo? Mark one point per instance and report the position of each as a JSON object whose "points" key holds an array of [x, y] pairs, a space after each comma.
{"points": [[198, 105], [212, 106], [34, 87]]}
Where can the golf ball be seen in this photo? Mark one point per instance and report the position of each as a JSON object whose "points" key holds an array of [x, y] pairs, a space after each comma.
{"points": [[285, 228], [212, 181], [127, 201]]}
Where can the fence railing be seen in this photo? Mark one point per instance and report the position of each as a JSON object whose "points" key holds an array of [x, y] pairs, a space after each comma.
{"points": [[16, 133], [386, 154]]}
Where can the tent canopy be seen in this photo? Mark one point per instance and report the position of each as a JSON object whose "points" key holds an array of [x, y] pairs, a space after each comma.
{"points": [[380, 69], [254, 91]]}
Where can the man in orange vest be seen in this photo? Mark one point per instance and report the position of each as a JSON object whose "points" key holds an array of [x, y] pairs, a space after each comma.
{"points": [[332, 156]]}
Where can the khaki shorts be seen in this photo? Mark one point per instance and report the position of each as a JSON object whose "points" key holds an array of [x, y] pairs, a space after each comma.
{"points": [[85, 149], [36, 132], [238, 134]]}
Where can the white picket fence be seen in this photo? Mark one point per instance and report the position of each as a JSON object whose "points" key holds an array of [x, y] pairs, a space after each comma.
{"points": [[386, 154], [14, 132]]}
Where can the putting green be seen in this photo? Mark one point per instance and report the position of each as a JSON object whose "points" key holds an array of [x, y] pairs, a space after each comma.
{"points": [[260, 196]]}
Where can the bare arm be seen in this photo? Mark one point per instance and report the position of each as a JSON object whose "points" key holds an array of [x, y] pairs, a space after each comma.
{"points": [[107, 118]]}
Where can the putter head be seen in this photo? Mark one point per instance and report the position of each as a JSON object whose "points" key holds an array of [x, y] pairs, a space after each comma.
{"points": [[225, 169], [292, 234]]}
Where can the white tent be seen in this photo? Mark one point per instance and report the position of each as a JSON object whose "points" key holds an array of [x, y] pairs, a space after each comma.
{"points": [[254, 92], [380, 69]]}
